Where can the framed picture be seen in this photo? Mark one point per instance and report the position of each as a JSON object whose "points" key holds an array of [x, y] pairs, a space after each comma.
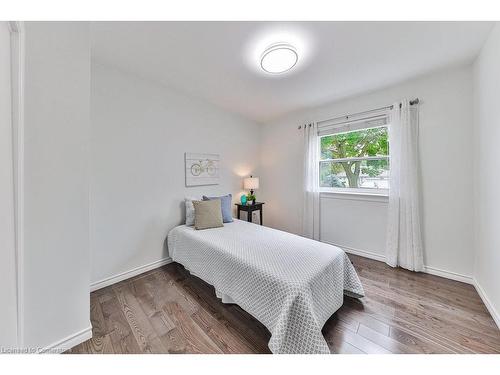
{"points": [[201, 169]]}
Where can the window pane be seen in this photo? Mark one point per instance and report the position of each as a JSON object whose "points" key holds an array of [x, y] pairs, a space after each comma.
{"points": [[360, 143], [366, 174]]}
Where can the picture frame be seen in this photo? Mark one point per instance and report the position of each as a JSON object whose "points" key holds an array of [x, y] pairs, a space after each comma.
{"points": [[201, 169]]}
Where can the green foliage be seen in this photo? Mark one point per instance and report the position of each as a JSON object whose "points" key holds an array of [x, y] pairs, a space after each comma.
{"points": [[375, 167], [250, 197], [355, 144], [367, 142]]}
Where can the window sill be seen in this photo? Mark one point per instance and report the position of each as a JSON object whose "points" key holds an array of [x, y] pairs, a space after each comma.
{"points": [[355, 195]]}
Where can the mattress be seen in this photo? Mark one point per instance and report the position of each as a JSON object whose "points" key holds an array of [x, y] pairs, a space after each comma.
{"points": [[291, 284]]}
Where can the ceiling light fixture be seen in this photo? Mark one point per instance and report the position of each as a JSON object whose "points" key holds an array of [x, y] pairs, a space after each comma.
{"points": [[279, 58]]}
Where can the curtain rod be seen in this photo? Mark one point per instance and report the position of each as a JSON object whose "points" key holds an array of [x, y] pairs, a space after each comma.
{"points": [[412, 102]]}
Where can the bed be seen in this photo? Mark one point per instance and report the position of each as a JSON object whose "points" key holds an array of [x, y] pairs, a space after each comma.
{"points": [[291, 284]]}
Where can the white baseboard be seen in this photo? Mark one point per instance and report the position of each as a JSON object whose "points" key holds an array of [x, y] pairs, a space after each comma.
{"points": [[361, 253], [69, 342], [128, 274], [491, 309], [430, 270], [448, 275]]}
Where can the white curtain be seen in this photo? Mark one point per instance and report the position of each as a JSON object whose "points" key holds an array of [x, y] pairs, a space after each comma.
{"points": [[404, 239], [310, 216]]}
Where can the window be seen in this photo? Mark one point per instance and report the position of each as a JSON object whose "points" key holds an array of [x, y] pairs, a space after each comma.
{"points": [[355, 160]]}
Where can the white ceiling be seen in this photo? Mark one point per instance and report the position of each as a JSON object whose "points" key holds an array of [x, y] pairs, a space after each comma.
{"points": [[218, 61]]}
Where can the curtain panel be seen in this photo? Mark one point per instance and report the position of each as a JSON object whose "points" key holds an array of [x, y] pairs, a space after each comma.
{"points": [[310, 212], [404, 238]]}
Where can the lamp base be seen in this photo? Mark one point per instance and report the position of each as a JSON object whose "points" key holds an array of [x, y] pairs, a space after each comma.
{"points": [[251, 193]]}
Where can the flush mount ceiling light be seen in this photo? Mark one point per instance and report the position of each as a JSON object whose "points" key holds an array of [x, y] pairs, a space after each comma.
{"points": [[279, 58]]}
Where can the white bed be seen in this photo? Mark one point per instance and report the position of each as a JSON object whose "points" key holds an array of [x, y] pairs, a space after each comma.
{"points": [[291, 284]]}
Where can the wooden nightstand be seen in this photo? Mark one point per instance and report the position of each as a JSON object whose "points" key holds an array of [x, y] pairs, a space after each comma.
{"points": [[249, 208]]}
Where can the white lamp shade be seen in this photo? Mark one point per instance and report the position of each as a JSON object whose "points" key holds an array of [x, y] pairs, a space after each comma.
{"points": [[251, 183]]}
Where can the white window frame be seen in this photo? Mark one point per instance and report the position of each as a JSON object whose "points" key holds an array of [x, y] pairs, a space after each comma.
{"points": [[346, 128]]}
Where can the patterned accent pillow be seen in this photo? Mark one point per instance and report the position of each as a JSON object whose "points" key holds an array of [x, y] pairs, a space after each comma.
{"points": [[190, 210], [225, 203], [207, 214]]}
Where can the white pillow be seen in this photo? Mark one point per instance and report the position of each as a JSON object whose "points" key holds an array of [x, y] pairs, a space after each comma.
{"points": [[190, 210]]}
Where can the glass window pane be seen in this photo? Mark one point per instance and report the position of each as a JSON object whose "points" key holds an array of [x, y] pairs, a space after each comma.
{"points": [[360, 143], [365, 174]]}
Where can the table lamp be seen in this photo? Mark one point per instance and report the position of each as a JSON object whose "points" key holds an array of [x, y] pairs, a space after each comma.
{"points": [[251, 183]]}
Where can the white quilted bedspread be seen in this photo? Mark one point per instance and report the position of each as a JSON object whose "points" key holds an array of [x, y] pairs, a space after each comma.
{"points": [[291, 284]]}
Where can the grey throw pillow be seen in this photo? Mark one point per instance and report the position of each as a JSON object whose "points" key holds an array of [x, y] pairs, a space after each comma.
{"points": [[225, 203], [207, 214], [190, 210]]}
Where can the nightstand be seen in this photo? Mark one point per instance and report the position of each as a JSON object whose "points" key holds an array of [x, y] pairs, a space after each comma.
{"points": [[249, 208]]}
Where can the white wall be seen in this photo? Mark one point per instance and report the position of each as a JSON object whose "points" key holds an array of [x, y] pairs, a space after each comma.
{"points": [[56, 182], [487, 151], [140, 132], [355, 223], [446, 167], [8, 284]]}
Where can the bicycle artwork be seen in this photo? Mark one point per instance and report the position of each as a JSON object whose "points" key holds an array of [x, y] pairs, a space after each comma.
{"points": [[201, 169]]}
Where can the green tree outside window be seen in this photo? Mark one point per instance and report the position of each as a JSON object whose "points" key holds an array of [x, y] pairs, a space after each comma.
{"points": [[351, 145]]}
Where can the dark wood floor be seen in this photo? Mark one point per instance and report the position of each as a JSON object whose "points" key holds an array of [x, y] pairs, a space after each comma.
{"points": [[169, 311]]}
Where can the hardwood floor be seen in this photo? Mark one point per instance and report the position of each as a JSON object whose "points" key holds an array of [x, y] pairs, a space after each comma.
{"points": [[169, 311]]}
